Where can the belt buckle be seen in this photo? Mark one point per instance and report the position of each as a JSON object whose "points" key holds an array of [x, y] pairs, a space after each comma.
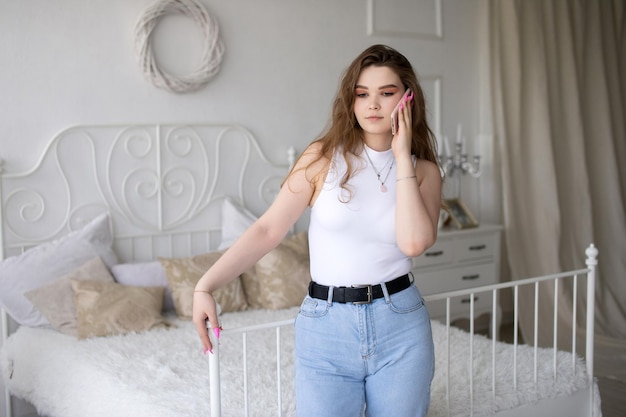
{"points": [[369, 294]]}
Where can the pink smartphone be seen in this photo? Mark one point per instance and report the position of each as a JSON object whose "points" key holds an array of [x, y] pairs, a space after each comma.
{"points": [[394, 113]]}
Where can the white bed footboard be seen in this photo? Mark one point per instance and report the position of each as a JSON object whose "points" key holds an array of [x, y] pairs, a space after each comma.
{"points": [[524, 374], [214, 364]]}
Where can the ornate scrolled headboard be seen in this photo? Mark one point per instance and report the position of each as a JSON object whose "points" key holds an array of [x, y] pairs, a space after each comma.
{"points": [[162, 184]]}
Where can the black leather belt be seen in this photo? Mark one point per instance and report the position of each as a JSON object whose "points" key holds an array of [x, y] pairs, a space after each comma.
{"points": [[359, 294]]}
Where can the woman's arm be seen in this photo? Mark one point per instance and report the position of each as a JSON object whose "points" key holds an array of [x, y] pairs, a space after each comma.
{"points": [[260, 238], [418, 193], [418, 201]]}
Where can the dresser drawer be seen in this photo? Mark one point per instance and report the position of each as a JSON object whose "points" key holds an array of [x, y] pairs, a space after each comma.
{"points": [[439, 253], [469, 248], [451, 279]]}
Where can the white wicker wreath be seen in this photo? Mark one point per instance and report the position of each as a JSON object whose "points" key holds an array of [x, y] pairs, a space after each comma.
{"points": [[211, 55]]}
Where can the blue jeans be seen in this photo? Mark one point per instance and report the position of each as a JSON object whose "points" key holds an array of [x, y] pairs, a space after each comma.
{"points": [[380, 354]]}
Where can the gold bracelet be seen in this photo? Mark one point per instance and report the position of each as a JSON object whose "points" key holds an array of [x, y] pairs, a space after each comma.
{"points": [[406, 178]]}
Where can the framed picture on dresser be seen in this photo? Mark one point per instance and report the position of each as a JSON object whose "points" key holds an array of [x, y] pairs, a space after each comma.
{"points": [[460, 214]]}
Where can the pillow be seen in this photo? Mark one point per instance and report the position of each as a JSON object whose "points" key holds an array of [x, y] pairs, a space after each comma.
{"points": [[56, 300], [109, 308], [184, 273], [281, 277], [235, 221], [48, 262], [144, 274]]}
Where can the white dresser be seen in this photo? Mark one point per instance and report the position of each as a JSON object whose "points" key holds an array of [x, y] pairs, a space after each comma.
{"points": [[460, 259]]}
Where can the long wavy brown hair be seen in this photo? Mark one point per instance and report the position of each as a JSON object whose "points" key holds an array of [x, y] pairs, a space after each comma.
{"points": [[344, 132]]}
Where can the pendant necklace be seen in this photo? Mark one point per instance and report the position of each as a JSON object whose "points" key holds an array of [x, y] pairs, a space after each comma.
{"points": [[383, 187]]}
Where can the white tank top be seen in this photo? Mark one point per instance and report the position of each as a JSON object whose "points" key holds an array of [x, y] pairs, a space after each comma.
{"points": [[354, 242]]}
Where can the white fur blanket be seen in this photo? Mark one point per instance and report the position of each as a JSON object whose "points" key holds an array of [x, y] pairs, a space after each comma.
{"points": [[162, 373]]}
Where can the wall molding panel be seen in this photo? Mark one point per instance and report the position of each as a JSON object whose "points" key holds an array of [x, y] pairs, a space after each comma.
{"points": [[420, 19], [431, 85]]}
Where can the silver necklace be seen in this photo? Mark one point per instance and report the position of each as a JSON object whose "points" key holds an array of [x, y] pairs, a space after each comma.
{"points": [[383, 187]]}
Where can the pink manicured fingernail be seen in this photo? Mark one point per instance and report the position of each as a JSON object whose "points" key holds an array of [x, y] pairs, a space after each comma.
{"points": [[411, 96], [402, 106], [216, 330], [204, 351]]}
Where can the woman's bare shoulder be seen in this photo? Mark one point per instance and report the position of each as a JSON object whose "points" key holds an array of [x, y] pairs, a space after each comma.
{"points": [[427, 166], [312, 159], [313, 150], [427, 169]]}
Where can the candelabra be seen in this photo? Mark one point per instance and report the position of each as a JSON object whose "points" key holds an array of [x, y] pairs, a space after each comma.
{"points": [[457, 164]]}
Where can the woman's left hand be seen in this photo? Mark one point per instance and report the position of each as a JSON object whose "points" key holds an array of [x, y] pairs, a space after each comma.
{"points": [[401, 142]]}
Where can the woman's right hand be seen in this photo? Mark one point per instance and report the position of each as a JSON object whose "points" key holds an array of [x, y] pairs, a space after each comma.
{"points": [[205, 307], [260, 238]]}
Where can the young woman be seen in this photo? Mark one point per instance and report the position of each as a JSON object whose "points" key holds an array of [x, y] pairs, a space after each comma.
{"points": [[363, 337]]}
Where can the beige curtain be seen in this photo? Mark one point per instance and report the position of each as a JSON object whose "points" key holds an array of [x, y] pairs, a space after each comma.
{"points": [[558, 99]]}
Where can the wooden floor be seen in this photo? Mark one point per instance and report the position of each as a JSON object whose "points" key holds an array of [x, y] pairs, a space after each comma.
{"points": [[612, 391], [613, 397]]}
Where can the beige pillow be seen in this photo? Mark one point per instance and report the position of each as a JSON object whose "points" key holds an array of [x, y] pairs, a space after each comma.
{"points": [[184, 273], [281, 277], [109, 308], [56, 299], [48, 262]]}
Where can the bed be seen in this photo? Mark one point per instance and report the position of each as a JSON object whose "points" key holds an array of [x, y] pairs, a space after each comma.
{"points": [[102, 242]]}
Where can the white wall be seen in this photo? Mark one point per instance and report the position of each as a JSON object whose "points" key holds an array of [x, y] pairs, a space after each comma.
{"points": [[67, 62]]}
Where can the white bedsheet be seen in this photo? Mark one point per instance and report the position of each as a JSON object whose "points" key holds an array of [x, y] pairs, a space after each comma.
{"points": [[163, 373]]}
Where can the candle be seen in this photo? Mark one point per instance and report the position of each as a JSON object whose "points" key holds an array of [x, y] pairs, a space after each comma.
{"points": [[439, 141], [458, 133], [446, 145], [477, 145]]}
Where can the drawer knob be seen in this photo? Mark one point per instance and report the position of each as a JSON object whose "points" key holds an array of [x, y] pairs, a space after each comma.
{"points": [[477, 247], [470, 277], [435, 253]]}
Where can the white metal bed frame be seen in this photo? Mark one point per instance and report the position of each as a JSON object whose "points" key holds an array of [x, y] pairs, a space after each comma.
{"points": [[591, 262], [163, 185], [154, 150]]}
